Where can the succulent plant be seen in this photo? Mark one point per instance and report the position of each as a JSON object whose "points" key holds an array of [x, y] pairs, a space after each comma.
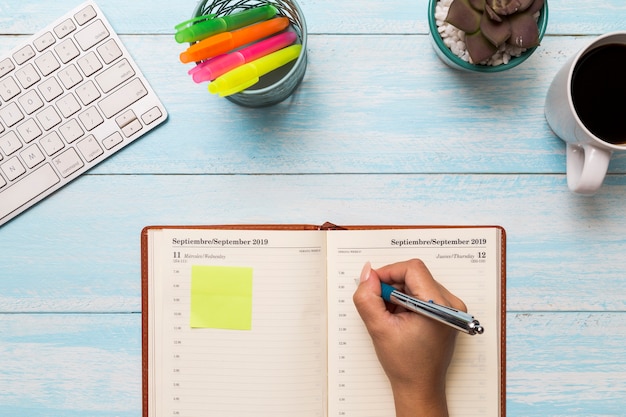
{"points": [[490, 23]]}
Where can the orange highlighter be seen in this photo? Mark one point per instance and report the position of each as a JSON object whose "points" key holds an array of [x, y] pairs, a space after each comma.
{"points": [[226, 41]]}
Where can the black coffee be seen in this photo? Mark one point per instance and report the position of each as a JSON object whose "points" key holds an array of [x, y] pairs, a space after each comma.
{"points": [[599, 92]]}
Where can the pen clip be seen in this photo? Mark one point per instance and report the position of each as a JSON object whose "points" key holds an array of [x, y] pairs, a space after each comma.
{"points": [[464, 321], [191, 22]]}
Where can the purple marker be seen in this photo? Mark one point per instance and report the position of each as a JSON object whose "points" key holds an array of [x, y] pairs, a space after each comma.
{"points": [[214, 67]]}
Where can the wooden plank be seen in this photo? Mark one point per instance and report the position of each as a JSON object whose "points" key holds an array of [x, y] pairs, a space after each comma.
{"points": [[90, 364], [565, 364], [70, 365], [79, 250], [416, 121], [323, 16]]}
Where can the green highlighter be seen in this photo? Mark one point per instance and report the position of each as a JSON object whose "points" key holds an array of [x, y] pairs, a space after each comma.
{"points": [[204, 26]]}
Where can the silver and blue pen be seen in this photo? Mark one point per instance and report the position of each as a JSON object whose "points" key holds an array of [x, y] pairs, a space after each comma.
{"points": [[447, 315]]}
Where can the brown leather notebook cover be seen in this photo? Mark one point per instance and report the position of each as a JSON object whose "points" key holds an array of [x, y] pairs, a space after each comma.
{"points": [[325, 226]]}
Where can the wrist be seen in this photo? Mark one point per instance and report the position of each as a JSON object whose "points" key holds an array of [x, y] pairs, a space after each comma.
{"points": [[411, 401]]}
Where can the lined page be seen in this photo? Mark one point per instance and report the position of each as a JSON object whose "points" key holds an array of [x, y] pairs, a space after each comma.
{"points": [[467, 262], [275, 369]]}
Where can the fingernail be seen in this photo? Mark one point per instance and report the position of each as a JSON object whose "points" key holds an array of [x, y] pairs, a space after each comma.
{"points": [[365, 272]]}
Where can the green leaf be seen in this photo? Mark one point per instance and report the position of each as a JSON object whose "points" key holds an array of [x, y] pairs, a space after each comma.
{"points": [[463, 16], [507, 7], [478, 4], [524, 30], [491, 14], [479, 47], [536, 6], [496, 32]]}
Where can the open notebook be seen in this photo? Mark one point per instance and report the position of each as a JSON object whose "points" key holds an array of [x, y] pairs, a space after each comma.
{"points": [[259, 321]]}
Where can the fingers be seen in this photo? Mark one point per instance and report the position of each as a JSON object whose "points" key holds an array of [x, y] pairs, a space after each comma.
{"points": [[410, 276], [414, 278]]}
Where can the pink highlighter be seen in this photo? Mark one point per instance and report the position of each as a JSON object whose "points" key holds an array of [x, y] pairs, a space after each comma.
{"points": [[214, 67]]}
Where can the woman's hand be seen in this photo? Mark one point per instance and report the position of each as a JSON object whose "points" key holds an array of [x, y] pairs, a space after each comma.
{"points": [[415, 351]]}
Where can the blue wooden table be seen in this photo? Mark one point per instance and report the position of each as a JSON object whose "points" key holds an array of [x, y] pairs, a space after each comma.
{"points": [[379, 132]]}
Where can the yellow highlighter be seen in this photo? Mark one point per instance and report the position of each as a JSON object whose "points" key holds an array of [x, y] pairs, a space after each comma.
{"points": [[247, 75]]}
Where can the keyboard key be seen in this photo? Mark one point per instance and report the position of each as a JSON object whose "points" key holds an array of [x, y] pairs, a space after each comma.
{"points": [[109, 51], [122, 98], [91, 118], [70, 76], [91, 35], [151, 115], [6, 66], [10, 143], [24, 54], [44, 41], [132, 128], [112, 140], [48, 118], [47, 63], [67, 51], [90, 64], [115, 75], [85, 15], [8, 88], [65, 28], [88, 93], [29, 130], [51, 143], [125, 118], [30, 187], [11, 114], [67, 162], [31, 101], [89, 148], [50, 89], [32, 156], [27, 75], [71, 131], [68, 105], [12, 168]]}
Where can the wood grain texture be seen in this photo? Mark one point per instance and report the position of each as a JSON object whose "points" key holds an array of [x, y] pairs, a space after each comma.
{"points": [[575, 17], [565, 252], [89, 364], [379, 132]]}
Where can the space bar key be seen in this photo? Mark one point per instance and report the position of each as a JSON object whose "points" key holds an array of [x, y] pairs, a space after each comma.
{"points": [[27, 189]]}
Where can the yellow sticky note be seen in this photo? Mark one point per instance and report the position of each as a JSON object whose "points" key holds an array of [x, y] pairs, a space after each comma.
{"points": [[221, 297]]}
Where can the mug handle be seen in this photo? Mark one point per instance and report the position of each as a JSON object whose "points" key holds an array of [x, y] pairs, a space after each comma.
{"points": [[587, 166]]}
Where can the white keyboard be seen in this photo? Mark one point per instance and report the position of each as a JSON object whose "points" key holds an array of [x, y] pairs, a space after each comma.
{"points": [[70, 97]]}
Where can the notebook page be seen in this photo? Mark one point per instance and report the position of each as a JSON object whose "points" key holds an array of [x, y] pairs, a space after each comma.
{"points": [[357, 384], [275, 369]]}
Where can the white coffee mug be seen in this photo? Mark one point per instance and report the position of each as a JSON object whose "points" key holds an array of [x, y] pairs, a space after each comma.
{"points": [[588, 153]]}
